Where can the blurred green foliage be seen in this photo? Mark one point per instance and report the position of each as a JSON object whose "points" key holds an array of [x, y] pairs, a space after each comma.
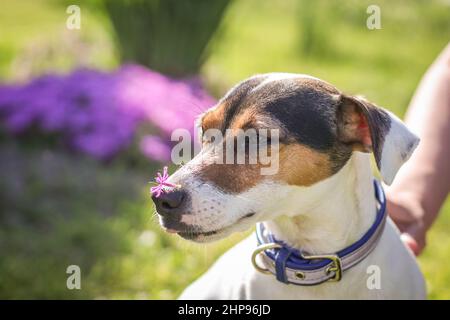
{"points": [[57, 209]]}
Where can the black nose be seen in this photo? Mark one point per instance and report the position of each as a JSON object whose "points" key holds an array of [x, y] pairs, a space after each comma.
{"points": [[169, 201]]}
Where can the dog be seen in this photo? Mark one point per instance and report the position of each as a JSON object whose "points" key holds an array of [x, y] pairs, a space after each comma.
{"points": [[321, 200]]}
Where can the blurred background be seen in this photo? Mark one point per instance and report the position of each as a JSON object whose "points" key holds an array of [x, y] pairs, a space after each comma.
{"points": [[86, 116]]}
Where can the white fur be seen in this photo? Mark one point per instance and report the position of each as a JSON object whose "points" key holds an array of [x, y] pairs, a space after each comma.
{"points": [[278, 76], [322, 218], [398, 146]]}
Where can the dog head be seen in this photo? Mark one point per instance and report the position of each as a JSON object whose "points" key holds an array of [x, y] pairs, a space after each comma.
{"points": [[317, 130]]}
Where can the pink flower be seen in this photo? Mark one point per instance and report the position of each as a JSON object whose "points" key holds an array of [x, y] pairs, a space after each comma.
{"points": [[162, 183]]}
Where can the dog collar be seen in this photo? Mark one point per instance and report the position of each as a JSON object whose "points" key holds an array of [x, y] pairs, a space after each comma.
{"points": [[290, 265]]}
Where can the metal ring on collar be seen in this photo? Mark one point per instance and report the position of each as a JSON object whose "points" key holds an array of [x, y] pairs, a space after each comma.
{"points": [[262, 248]]}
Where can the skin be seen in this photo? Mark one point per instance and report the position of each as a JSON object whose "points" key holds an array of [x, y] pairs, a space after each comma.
{"points": [[423, 183]]}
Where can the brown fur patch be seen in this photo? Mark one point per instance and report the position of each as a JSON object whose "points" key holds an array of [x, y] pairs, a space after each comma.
{"points": [[214, 119], [303, 166], [299, 165], [245, 119], [232, 178]]}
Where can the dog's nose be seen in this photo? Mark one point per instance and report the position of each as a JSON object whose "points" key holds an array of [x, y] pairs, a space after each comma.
{"points": [[169, 201]]}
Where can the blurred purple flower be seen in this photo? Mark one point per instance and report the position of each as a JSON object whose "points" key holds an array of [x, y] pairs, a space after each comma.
{"points": [[99, 113], [154, 147]]}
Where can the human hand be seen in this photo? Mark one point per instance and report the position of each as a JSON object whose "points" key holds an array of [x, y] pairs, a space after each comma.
{"points": [[407, 214]]}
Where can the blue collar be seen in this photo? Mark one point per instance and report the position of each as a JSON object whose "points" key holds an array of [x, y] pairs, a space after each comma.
{"points": [[290, 265]]}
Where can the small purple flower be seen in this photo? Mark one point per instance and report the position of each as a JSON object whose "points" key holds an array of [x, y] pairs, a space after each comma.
{"points": [[162, 183]]}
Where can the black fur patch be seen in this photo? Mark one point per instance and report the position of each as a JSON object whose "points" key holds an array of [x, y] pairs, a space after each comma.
{"points": [[306, 114]]}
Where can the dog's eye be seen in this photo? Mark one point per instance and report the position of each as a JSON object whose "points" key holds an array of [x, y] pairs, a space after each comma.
{"points": [[208, 139], [211, 138]]}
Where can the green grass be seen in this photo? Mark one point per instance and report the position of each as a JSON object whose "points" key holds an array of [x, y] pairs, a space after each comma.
{"points": [[59, 209], [34, 39], [71, 210]]}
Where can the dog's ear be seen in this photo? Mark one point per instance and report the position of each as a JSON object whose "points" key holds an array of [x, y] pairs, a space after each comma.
{"points": [[369, 128]]}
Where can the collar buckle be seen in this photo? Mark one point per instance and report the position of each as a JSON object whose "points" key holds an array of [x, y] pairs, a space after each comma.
{"points": [[335, 266]]}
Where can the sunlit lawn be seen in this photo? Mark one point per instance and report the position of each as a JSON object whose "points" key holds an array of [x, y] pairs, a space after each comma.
{"points": [[73, 210]]}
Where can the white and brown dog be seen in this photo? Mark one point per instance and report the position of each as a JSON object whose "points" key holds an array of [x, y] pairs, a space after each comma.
{"points": [[319, 202]]}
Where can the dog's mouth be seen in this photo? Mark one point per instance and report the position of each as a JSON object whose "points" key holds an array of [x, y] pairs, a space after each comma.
{"points": [[194, 235], [204, 236]]}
